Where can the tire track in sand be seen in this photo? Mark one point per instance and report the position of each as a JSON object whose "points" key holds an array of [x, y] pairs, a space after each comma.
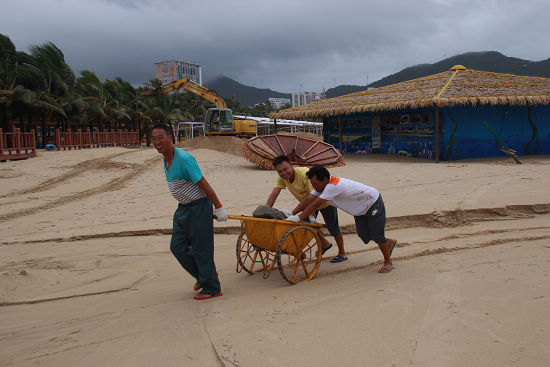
{"points": [[437, 251], [77, 169], [112, 185], [450, 218]]}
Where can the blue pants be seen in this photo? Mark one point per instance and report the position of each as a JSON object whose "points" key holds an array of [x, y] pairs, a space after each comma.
{"points": [[193, 243]]}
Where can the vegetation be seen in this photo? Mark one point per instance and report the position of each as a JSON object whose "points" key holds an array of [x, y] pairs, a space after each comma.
{"points": [[247, 95], [40, 88], [485, 61]]}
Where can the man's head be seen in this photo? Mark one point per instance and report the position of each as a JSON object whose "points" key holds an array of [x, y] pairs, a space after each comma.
{"points": [[283, 167], [319, 177], [161, 137]]}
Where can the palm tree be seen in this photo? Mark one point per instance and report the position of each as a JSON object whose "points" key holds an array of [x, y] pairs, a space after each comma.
{"points": [[48, 79]]}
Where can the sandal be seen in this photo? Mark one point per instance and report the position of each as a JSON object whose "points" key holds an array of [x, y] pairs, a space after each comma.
{"points": [[386, 269], [198, 286], [395, 244], [203, 295], [338, 259], [326, 248]]}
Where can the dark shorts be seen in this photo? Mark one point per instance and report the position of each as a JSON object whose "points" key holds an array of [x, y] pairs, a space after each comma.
{"points": [[370, 226], [330, 215]]}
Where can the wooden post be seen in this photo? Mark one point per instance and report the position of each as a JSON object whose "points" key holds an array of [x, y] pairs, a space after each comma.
{"points": [[17, 141], [33, 142], [57, 139], [1, 142], [340, 133], [436, 122]]}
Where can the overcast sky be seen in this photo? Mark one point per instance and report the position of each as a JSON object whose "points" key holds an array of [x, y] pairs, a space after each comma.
{"points": [[285, 45]]}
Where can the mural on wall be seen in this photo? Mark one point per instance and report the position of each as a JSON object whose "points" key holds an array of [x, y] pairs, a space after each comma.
{"points": [[376, 133], [447, 152], [463, 134], [482, 130], [534, 136], [399, 133]]}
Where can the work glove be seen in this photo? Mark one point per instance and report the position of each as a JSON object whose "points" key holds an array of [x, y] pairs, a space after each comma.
{"points": [[220, 214], [288, 213], [293, 218]]}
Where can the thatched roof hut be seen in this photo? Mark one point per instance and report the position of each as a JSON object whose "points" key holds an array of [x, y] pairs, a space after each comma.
{"points": [[455, 114], [458, 86]]}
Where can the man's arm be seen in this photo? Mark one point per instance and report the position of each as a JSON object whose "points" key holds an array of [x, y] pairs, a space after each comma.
{"points": [[210, 193], [273, 196], [312, 207], [304, 203]]}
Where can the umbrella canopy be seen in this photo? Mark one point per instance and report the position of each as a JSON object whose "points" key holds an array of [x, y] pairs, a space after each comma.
{"points": [[262, 149]]}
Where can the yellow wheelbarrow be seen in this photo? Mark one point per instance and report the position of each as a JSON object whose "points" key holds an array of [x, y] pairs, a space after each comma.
{"points": [[294, 247]]}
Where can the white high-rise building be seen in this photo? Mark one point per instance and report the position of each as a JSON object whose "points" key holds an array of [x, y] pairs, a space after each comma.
{"points": [[302, 98], [278, 103], [168, 71]]}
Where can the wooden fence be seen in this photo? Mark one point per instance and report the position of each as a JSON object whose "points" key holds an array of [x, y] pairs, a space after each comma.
{"points": [[95, 139], [17, 145]]}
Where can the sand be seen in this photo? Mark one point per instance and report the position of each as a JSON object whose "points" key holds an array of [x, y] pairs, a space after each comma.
{"points": [[87, 279]]}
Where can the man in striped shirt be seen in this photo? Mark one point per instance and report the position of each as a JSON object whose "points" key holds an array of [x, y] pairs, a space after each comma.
{"points": [[193, 232]]}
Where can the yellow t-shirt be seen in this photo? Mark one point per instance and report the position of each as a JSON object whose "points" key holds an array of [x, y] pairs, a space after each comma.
{"points": [[300, 187]]}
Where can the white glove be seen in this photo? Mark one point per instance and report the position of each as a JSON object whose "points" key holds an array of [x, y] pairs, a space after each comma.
{"points": [[220, 214], [293, 218], [312, 219], [288, 213]]}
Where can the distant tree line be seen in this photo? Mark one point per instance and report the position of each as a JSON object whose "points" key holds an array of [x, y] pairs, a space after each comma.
{"points": [[39, 88]]}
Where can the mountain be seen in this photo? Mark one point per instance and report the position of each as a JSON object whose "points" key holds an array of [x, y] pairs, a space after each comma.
{"points": [[248, 96], [486, 61]]}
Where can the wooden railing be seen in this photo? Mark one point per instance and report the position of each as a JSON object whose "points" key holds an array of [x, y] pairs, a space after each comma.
{"points": [[17, 145], [21, 145], [95, 139]]}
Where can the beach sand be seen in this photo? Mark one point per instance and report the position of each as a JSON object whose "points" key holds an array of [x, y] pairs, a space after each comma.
{"points": [[87, 278]]}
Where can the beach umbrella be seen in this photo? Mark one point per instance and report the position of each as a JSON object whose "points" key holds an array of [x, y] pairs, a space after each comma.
{"points": [[301, 151]]}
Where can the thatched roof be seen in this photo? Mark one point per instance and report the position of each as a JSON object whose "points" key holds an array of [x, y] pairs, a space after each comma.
{"points": [[458, 86]]}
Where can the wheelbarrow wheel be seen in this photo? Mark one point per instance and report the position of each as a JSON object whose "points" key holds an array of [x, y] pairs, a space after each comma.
{"points": [[299, 254], [250, 258]]}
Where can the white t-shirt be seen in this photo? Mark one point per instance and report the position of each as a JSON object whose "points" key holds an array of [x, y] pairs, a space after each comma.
{"points": [[350, 196]]}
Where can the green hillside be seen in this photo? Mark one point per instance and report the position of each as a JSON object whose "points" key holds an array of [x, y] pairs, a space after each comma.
{"points": [[248, 96], [486, 61]]}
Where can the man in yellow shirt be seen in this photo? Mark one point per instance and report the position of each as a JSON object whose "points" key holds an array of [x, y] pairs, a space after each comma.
{"points": [[295, 179]]}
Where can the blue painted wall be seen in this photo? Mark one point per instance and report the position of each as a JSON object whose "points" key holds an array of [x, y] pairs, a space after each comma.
{"points": [[462, 132], [523, 129]]}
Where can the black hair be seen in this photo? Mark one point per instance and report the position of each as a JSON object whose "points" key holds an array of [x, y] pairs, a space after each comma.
{"points": [[280, 159], [319, 172], [164, 127]]}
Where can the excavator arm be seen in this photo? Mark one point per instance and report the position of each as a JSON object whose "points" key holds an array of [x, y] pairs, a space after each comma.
{"points": [[190, 86]]}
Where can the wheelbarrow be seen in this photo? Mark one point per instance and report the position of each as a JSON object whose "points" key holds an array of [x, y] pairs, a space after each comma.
{"points": [[294, 248]]}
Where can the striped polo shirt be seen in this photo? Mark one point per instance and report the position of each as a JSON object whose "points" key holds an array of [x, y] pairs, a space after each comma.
{"points": [[182, 177]]}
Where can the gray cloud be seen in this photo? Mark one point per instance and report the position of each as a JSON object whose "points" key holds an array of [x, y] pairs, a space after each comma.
{"points": [[285, 45]]}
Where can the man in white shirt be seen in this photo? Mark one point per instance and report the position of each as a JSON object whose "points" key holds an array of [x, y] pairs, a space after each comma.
{"points": [[362, 201], [295, 179]]}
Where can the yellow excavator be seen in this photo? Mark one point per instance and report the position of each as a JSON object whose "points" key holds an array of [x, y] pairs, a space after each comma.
{"points": [[219, 120]]}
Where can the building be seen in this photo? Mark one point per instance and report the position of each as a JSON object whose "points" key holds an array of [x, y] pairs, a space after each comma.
{"points": [[302, 98], [279, 103], [168, 71], [455, 114]]}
